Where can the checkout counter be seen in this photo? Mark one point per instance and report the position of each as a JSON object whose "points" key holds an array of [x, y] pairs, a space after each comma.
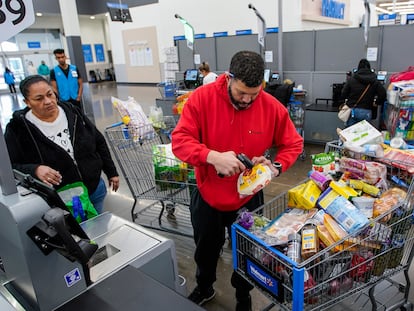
{"points": [[50, 262], [321, 122]]}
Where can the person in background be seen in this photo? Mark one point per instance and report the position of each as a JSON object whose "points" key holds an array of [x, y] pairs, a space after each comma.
{"points": [[41, 142], [10, 80], [208, 76], [43, 70], [66, 80], [31, 69], [363, 93], [220, 120]]}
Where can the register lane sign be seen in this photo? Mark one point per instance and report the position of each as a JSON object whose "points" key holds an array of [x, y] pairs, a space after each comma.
{"points": [[15, 15]]}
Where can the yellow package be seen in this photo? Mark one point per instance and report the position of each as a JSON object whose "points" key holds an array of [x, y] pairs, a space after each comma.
{"points": [[304, 196], [327, 238], [294, 194], [335, 229], [253, 180], [365, 187], [343, 189]]}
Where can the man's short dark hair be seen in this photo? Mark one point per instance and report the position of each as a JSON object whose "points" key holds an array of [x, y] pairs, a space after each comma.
{"points": [[248, 67], [59, 51]]}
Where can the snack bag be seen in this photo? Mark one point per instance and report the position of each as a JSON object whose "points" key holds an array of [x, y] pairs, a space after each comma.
{"points": [[253, 180], [304, 195]]}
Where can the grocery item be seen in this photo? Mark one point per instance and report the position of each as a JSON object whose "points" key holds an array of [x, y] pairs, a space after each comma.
{"points": [[343, 211], [253, 180], [388, 200], [321, 180], [290, 221], [343, 189], [294, 247], [365, 205], [323, 162], [304, 195], [310, 241]]}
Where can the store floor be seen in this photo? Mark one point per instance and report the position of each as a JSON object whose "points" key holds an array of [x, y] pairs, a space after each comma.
{"points": [[121, 202]]}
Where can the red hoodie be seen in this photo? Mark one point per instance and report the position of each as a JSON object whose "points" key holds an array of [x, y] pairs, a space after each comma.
{"points": [[210, 122]]}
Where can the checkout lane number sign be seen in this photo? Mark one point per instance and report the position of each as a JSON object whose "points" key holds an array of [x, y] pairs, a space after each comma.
{"points": [[15, 16], [72, 277]]}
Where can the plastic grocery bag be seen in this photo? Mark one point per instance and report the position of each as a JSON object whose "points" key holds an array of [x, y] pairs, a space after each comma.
{"points": [[132, 115], [76, 198], [169, 171]]}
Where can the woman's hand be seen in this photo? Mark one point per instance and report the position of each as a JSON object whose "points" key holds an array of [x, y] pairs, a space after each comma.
{"points": [[114, 183], [48, 175]]}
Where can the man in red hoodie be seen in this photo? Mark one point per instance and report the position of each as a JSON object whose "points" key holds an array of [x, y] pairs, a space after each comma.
{"points": [[220, 120]]}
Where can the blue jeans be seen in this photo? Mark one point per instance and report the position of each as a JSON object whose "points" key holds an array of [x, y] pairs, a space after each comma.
{"points": [[98, 196], [359, 114]]}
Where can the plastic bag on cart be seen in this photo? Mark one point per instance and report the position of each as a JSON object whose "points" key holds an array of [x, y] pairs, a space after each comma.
{"points": [[132, 115], [169, 171]]}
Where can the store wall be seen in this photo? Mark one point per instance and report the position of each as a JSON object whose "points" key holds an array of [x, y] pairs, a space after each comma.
{"points": [[213, 16]]}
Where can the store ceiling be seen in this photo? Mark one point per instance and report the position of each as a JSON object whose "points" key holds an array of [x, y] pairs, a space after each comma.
{"points": [[397, 6]]}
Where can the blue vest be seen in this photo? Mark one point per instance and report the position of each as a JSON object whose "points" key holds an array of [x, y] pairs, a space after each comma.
{"points": [[67, 86]]}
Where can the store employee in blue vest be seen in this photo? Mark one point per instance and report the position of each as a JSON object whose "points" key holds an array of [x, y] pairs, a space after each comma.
{"points": [[66, 80]]}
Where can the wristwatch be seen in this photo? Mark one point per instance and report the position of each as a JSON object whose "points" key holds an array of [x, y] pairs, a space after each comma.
{"points": [[278, 166]]}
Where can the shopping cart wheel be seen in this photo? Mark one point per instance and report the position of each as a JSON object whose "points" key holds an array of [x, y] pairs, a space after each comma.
{"points": [[170, 208]]}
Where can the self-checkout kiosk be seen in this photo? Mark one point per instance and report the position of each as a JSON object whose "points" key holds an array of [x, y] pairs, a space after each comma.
{"points": [[50, 262], [326, 109]]}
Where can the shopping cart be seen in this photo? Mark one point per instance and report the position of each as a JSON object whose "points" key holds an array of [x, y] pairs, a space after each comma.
{"points": [[165, 192], [352, 270], [296, 108]]}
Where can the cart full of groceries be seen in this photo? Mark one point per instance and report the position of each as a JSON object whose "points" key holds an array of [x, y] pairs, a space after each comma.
{"points": [[158, 181], [338, 235]]}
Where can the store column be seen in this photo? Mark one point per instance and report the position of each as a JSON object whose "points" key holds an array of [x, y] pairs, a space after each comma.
{"points": [[71, 29]]}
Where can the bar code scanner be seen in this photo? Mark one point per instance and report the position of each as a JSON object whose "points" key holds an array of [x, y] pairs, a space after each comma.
{"points": [[243, 159]]}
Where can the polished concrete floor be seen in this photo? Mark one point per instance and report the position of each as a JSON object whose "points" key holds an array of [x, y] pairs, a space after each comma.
{"points": [[121, 202]]}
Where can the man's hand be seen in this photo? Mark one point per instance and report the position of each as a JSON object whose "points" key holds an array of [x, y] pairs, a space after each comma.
{"points": [[48, 175], [225, 163], [263, 160]]}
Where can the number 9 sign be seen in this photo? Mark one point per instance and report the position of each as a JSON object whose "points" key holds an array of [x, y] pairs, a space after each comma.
{"points": [[15, 15]]}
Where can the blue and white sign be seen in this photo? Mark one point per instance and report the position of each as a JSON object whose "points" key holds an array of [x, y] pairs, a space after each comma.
{"points": [[99, 53], [199, 36], [272, 30], [220, 34], [14, 17], [72, 277], [387, 19], [176, 38], [262, 277], [33, 44], [243, 32], [87, 53]]}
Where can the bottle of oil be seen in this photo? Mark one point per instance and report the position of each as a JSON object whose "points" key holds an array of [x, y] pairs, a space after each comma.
{"points": [[310, 241]]}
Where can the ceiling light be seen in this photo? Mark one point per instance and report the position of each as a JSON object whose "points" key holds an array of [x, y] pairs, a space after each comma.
{"points": [[382, 10], [396, 3], [403, 7], [92, 17], [39, 14]]}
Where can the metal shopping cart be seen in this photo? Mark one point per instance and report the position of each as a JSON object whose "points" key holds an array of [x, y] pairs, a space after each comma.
{"points": [[163, 183], [355, 270], [296, 109]]}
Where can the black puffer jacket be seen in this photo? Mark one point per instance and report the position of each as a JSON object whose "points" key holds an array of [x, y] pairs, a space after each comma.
{"points": [[356, 85], [28, 148]]}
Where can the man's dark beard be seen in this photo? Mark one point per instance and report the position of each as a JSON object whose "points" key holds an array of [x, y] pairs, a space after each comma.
{"points": [[237, 104]]}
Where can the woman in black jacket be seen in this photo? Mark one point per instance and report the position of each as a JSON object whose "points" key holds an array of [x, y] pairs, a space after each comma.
{"points": [[363, 93], [57, 144]]}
